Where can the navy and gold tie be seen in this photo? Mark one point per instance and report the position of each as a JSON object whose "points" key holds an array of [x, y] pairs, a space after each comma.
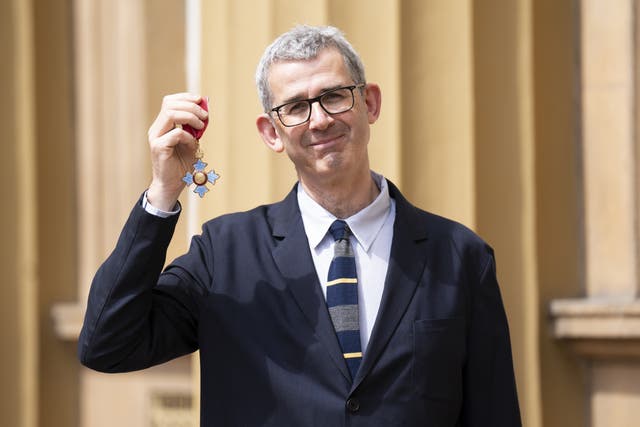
{"points": [[342, 296]]}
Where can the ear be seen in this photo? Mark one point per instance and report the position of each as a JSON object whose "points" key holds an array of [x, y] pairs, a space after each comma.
{"points": [[269, 133], [373, 100]]}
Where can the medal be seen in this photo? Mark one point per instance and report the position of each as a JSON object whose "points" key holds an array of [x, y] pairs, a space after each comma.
{"points": [[198, 176]]}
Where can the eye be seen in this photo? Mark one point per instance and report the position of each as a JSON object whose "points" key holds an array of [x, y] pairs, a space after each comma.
{"points": [[335, 97], [295, 108]]}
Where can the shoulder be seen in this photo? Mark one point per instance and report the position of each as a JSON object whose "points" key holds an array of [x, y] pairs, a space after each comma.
{"points": [[444, 235], [440, 228]]}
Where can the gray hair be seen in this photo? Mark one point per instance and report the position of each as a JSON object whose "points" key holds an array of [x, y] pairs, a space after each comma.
{"points": [[301, 43]]}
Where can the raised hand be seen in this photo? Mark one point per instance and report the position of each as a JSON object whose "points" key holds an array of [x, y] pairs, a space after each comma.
{"points": [[172, 147]]}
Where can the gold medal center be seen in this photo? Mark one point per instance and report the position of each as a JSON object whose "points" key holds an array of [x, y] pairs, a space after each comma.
{"points": [[200, 178]]}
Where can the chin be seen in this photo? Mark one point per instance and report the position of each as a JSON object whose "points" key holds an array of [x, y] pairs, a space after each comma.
{"points": [[331, 163]]}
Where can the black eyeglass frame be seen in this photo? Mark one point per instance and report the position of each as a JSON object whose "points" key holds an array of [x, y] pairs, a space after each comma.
{"points": [[318, 99]]}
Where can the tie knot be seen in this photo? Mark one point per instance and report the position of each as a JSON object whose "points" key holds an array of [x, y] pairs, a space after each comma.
{"points": [[339, 230]]}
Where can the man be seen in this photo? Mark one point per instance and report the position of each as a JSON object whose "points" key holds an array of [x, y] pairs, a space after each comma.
{"points": [[390, 317]]}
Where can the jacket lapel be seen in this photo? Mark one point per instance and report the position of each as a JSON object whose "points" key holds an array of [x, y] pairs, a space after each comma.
{"points": [[406, 265], [292, 256]]}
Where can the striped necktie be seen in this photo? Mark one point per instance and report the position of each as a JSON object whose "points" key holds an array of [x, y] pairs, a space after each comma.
{"points": [[342, 296]]}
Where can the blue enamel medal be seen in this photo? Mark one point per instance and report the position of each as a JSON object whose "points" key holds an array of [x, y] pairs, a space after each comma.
{"points": [[200, 178]]}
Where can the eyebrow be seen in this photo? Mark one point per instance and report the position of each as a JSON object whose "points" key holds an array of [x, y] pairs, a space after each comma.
{"points": [[322, 92]]}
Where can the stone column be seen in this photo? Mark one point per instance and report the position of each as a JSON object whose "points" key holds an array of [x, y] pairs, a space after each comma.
{"points": [[18, 218], [603, 327], [128, 54]]}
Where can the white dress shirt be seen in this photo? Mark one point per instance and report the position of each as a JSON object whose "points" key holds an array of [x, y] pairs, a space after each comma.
{"points": [[372, 228]]}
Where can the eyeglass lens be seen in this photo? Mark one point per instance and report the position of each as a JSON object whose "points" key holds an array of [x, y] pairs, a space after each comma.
{"points": [[333, 102]]}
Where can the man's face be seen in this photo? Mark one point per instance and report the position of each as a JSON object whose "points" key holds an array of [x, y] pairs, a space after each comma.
{"points": [[327, 146]]}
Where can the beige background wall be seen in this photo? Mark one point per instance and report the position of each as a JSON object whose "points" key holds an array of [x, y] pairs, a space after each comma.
{"points": [[38, 237], [485, 119], [563, 384]]}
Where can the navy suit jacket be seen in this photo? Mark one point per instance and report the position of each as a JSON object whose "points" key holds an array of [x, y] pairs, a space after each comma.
{"points": [[247, 296]]}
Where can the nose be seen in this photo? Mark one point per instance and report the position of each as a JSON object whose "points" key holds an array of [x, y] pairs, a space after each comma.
{"points": [[319, 118]]}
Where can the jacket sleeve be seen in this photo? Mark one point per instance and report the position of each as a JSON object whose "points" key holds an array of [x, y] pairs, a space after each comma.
{"points": [[135, 317], [490, 396]]}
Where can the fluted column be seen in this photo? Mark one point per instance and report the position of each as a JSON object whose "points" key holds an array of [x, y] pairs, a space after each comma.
{"points": [[604, 325], [18, 219]]}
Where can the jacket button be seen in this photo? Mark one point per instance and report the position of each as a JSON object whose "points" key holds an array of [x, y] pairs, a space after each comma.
{"points": [[353, 405]]}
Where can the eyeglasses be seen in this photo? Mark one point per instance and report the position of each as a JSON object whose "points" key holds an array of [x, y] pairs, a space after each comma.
{"points": [[334, 101]]}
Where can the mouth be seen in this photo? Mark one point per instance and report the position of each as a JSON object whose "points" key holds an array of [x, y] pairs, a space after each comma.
{"points": [[326, 142]]}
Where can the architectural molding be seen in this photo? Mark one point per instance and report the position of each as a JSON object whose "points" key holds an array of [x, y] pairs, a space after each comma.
{"points": [[67, 320], [598, 328]]}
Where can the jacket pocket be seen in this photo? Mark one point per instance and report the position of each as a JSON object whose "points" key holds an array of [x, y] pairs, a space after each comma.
{"points": [[438, 357]]}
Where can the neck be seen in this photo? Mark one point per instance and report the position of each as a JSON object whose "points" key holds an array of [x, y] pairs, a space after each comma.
{"points": [[343, 198]]}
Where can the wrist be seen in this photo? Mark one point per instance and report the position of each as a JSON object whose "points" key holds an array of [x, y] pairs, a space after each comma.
{"points": [[149, 208], [163, 198]]}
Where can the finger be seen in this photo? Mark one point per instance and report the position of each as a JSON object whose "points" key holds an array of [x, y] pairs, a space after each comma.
{"points": [[178, 109], [173, 107], [184, 96], [169, 119], [190, 96], [173, 138], [185, 102], [182, 105]]}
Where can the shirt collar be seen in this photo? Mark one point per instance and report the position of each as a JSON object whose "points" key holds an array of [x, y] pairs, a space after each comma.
{"points": [[365, 224]]}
